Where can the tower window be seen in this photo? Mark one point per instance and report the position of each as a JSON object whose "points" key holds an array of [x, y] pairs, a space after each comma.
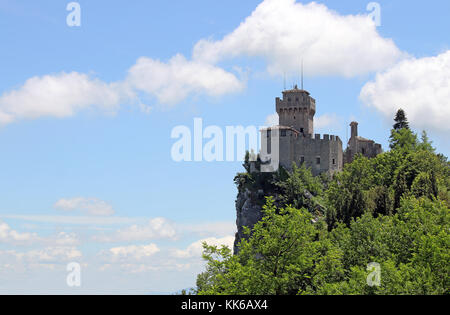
{"points": [[302, 159], [334, 161], [318, 160], [363, 151], [269, 133], [283, 133], [296, 99], [302, 130]]}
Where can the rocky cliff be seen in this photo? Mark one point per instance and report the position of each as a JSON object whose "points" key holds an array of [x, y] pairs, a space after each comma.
{"points": [[252, 190], [248, 212]]}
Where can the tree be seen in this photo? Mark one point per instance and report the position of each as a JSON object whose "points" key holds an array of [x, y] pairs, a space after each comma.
{"points": [[424, 185], [421, 173], [412, 248], [284, 255], [379, 200], [217, 260], [425, 143], [392, 210], [300, 188], [345, 196], [288, 254], [402, 138], [401, 122]]}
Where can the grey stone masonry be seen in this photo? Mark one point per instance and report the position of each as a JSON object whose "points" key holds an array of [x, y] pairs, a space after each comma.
{"points": [[359, 145], [299, 144], [320, 154], [297, 110]]}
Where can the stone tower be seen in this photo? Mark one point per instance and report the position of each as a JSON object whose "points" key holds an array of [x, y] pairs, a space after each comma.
{"points": [[359, 145], [296, 139], [297, 110], [354, 129], [298, 144]]}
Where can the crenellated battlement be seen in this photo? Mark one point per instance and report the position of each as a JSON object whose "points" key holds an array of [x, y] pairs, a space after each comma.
{"points": [[326, 137], [298, 143], [297, 109]]}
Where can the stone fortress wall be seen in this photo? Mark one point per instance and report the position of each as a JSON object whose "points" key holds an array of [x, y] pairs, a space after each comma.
{"points": [[299, 144]]}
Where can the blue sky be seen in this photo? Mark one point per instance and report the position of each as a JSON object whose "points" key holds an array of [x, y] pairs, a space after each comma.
{"points": [[86, 115]]}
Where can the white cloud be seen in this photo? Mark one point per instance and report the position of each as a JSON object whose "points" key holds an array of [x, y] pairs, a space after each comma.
{"points": [[325, 121], [74, 220], [283, 31], [137, 258], [65, 94], [195, 250], [136, 268], [216, 229], [272, 120], [133, 266], [60, 95], [280, 31], [175, 80], [419, 86], [158, 228], [133, 252], [320, 122], [90, 206], [50, 254], [13, 237], [130, 259], [10, 236], [64, 239]]}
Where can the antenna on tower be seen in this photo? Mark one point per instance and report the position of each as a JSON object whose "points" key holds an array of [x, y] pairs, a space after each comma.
{"points": [[346, 129], [302, 73]]}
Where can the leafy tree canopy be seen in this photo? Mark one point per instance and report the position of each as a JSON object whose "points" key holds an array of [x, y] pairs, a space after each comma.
{"points": [[319, 234], [289, 253]]}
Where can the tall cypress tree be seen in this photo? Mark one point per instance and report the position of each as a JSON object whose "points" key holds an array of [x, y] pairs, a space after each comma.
{"points": [[401, 121], [401, 135]]}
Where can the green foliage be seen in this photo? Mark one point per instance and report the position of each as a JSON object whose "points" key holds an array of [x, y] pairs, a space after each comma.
{"points": [[284, 255], [379, 200], [254, 181], [378, 185], [424, 185], [425, 143], [218, 260], [297, 186], [403, 140], [392, 210], [288, 253], [419, 168], [401, 122], [412, 248], [345, 195]]}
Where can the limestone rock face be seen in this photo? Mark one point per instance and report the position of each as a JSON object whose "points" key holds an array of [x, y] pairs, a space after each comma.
{"points": [[248, 213]]}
